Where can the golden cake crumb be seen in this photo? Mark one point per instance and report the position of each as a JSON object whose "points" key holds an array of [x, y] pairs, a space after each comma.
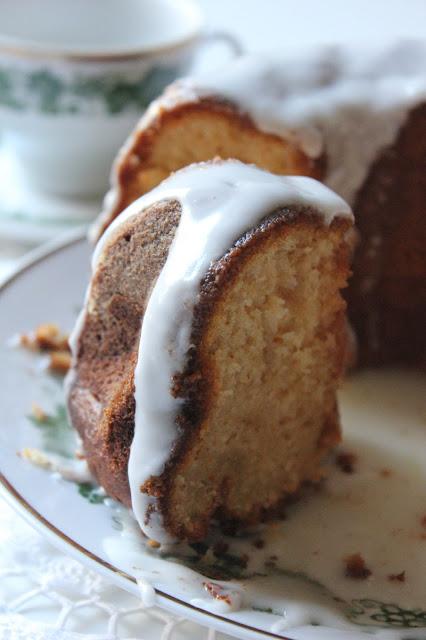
{"points": [[46, 337], [36, 457], [153, 544], [59, 361], [346, 461], [356, 568], [38, 413], [216, 591], [397, 577]]}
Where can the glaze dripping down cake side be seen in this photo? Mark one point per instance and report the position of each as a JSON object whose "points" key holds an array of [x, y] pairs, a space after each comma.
{"points": [[224, 403], [354, 120]]}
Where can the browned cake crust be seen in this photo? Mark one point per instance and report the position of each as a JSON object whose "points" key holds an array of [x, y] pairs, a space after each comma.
{"points": [[101, 402], [196, 132], [387, 294]]}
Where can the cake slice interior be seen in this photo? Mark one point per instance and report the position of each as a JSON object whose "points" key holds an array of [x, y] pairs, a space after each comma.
{"points": [[257, 393], [269, 359]]}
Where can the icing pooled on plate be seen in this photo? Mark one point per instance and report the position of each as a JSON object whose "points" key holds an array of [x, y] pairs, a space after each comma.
{"points": [[296, 577]]}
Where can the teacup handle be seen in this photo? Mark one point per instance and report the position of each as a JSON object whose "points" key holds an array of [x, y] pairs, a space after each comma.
{"points": [[235, 46]]}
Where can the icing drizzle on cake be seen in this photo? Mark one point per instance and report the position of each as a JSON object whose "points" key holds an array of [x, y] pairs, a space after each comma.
{"points": [[349, 104], [220, 201]]}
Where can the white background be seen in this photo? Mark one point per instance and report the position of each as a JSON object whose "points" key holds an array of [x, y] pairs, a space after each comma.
{"points": [[288, 24]]}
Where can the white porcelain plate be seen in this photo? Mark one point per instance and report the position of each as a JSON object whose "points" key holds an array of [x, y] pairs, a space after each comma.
{"points": [[287, 579]]}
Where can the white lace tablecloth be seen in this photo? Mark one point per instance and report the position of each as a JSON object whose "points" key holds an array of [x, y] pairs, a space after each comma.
{"points": [[45, 595]]}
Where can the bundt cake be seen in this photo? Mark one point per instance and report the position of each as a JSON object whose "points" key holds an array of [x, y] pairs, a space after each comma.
{"points": [[212, 341], [356, 122]]}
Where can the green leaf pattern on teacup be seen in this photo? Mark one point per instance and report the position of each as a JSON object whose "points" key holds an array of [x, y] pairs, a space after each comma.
{"points": [[43, 91], [48, 88], [7, 94]]}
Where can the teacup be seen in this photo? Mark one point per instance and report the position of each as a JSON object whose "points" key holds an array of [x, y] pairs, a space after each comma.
{"points": [[75, 77]]}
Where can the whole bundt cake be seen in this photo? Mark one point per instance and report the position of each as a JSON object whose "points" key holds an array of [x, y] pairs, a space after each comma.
{"points": [[211, 345], [355, 121]]}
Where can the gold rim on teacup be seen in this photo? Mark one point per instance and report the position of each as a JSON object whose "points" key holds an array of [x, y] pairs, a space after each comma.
{"points": [[32, 51]]}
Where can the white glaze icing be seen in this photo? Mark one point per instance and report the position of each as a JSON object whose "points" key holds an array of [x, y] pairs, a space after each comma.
{"points": [[220, 201], [147, 592], [347, 103], [349, 106]]}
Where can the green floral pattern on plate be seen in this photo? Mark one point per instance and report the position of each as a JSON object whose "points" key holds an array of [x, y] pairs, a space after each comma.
{"points": [[366, 611], [92, 493], [56, 433], [46, 92]]}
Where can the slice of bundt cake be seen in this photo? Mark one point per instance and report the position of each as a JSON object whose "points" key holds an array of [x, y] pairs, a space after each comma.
{"points": [[355, 121], [211, 345]]}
